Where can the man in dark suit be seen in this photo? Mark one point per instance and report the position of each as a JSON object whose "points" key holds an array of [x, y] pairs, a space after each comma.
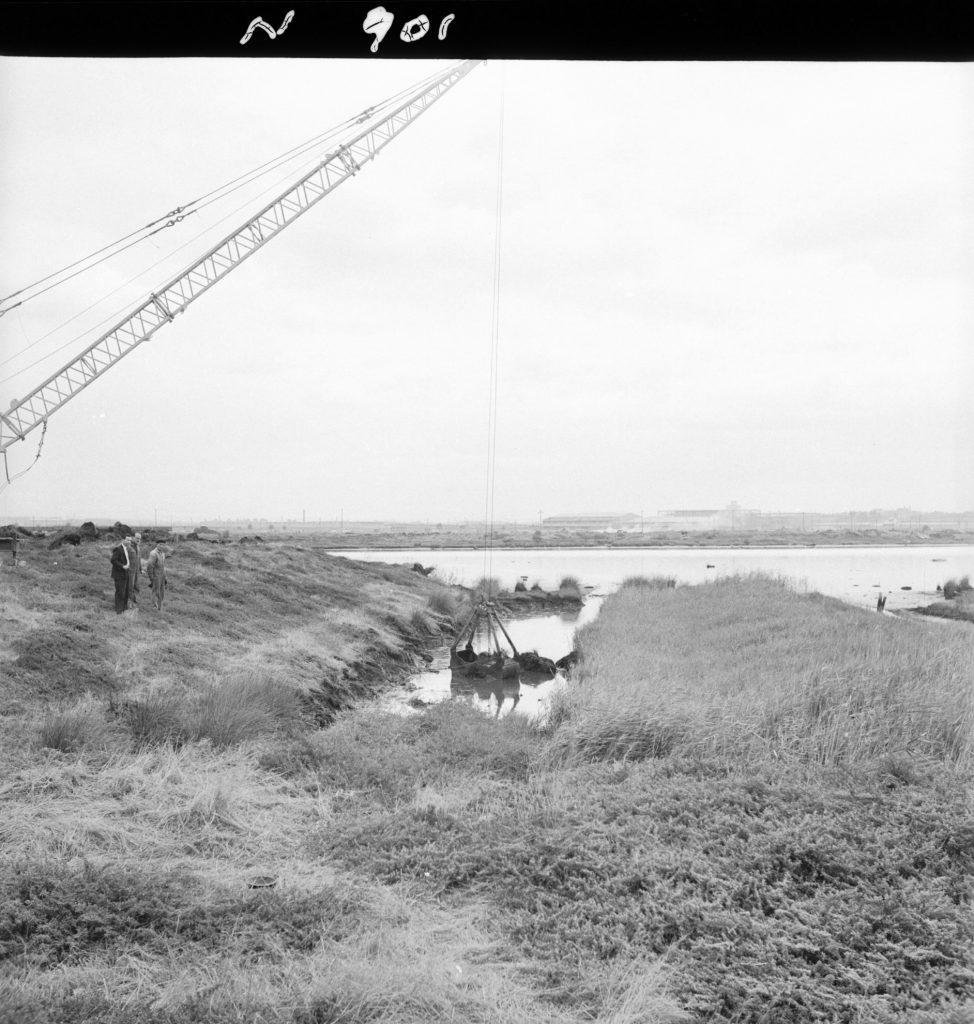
{"points": [[121, 564]]}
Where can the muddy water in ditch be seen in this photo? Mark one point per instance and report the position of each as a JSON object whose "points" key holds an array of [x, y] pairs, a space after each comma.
{"points": [[550, 635], [907, 576]]}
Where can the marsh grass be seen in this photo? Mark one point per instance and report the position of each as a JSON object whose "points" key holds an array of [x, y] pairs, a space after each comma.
{"points": [[960, 606], [745, 668], [649, 582], [389, 757]]}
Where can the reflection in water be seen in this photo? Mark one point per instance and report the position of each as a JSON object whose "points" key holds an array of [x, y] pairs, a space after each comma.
{"points": [[486, 690], [553, 632]]}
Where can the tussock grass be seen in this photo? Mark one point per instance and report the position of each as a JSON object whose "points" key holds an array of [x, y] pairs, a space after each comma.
{"points": [[488, 586], [156, 718], [81, 727], [422, 624], [228, 712], [444, 602], [244, 708], [746, 669]]}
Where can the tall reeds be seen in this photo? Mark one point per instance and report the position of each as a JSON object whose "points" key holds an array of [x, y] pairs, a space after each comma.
{"points": [[745, 668]]}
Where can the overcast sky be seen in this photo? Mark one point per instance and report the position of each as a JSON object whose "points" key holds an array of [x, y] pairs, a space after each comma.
{"points": [[719, 282]]}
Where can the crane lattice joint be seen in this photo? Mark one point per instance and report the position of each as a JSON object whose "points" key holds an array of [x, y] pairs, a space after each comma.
{"points": [[163, 308]]}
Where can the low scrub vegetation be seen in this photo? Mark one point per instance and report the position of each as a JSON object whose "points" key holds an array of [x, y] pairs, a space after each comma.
{"points": [[953, 588], [759, 891]]}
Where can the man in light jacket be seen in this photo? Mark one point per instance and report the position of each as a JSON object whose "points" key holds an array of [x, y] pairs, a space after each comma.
{"points": [[135, 567], [155, 569]]}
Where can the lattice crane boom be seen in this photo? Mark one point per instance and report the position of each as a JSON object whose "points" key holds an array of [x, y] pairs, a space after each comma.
{"points": [[25, 414]]}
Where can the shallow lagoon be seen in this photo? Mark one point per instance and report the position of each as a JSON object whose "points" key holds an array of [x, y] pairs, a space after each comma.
{"points": [[907, 575]]}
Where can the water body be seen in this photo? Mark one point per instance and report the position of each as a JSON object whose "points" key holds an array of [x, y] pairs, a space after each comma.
{"points": [[907, 576]]}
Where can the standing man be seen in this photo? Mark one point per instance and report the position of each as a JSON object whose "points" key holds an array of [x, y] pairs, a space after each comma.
{"points": [[155, 569], [132, 547], [137, 586], [120, 576]]}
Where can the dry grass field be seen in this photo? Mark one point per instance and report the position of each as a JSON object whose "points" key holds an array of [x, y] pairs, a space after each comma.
{"points": [[748, 806]]}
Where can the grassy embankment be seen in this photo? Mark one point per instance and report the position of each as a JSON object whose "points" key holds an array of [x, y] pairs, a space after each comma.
{"points": [[751, 806]]}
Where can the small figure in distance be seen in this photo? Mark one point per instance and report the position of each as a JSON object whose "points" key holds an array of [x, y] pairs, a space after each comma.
{"points": [[120, 575], [881, 603], [155, 569]]}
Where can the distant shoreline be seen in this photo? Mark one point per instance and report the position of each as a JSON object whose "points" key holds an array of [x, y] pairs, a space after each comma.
{"points": [[383, 542], [640, 547]]}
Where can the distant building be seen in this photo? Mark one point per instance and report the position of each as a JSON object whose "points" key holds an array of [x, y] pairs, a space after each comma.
{"points": [[693, 518], [730, 518], [593, 523]]}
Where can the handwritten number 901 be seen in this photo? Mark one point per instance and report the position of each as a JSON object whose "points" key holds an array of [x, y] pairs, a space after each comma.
{"points": [[378, 22]]}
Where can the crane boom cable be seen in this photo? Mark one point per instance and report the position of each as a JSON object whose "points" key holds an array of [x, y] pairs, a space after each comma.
{"points": [[132, 306], [370, 113], [177, 214], [84, 259], [172, 298], [131, 280]]}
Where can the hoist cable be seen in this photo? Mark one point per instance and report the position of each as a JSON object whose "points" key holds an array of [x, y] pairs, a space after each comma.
{"points": [[494, 356]]}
